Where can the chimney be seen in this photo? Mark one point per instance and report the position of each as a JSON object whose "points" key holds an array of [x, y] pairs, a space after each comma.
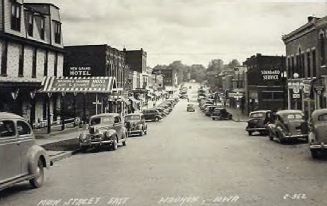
{"points": [[310, 18]]}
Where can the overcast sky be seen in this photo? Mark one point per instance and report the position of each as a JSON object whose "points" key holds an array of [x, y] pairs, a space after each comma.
{"points": [[193, 31]]}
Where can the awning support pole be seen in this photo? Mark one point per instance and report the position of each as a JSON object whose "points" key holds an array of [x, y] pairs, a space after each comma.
{"points": [[96, 103], [49, 116]]}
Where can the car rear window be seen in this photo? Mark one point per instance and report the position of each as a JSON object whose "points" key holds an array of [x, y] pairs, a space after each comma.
{"points": [[257, 115], [7, 129], [102, 120], [322, 117], [132, 117], [294, 116]]}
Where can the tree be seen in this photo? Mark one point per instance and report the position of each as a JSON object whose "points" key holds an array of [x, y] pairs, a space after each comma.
{"points": [[234, 63], [216, 65]]}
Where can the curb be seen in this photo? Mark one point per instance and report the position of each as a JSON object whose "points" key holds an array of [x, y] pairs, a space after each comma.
{"points": [[63, 155], [52, 134]]}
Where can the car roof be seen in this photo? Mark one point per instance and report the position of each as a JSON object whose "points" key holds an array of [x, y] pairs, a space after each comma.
{"points": [[105, 114], [260, 111], [283, 112], [135, 113], [7, 115], [318, 112]]}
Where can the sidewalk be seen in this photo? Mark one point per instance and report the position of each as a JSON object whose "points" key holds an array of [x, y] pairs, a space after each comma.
{"points": [[60, 144], [237, 115]]}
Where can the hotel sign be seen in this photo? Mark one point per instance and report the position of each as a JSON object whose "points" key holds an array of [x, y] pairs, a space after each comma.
{"points": [[81, 71]]}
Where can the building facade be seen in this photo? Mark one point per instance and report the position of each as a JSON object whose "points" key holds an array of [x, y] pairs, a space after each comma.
{"points": [[266, 84], [96, 61], [306, 56], [31, 48]]}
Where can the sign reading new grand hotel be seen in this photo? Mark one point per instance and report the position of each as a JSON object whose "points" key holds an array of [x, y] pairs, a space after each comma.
{"points": [[80, 71]]}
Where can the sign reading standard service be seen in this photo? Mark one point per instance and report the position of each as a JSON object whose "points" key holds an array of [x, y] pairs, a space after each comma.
{"points": [[270, 74], [84, 71]]}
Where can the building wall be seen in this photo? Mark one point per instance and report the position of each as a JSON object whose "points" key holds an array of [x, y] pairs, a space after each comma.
{"points": [[28, 61], [40, 57], [12, 59], [1, 15]]}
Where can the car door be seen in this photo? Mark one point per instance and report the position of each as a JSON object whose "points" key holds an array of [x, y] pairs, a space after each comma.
{"points": [[26, 141], [118, 126], [10, 156]]}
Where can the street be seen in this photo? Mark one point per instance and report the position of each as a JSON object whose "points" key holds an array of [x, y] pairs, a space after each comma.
{"points": [[186, 159]]}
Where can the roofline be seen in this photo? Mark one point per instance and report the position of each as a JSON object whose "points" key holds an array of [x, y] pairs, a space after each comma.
{"points": [[48, 4]]}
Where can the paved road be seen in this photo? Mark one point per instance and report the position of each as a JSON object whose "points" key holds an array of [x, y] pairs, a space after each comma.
{"points": [[186, 159]]}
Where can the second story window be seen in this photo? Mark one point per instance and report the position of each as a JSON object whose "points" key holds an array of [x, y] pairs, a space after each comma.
{"points": [[57, 32], [42, 28], [30, 24], [45, 68], [15, 16], [21, 61], [4, 51]]}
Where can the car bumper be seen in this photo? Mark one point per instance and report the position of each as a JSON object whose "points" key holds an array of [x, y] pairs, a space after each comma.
{"points": [[296, 136], [98, 143], [318, 146], [256, 129], [132, 132]]}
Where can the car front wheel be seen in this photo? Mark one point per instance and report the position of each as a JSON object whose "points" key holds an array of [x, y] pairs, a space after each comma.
{"points": [[114, 145], [38, 179]]}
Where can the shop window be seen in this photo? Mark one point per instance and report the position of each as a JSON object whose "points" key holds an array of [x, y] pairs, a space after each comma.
{"points": [[4, 59], [57, 32], [15, 16]]}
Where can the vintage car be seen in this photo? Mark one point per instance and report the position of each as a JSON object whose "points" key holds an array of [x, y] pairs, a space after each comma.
{"points": [[20, 157], [258, 121], [152, 115], [221, 114], [318, 132], [104, 129], [190, 108], [209, 110], [135, 124], [288, 125]]}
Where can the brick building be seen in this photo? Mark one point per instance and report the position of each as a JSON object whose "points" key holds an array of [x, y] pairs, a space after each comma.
{"points": [[266, 84], [306, 56], [96, 61], [31, 47]]}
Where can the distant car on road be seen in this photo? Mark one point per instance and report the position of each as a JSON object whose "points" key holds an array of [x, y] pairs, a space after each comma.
{"points": [[288, 125], [258, 121], [190, 108], [221, 114], [135, 124], [104, 129], [152, 115], [318, 133], [20, 157]]}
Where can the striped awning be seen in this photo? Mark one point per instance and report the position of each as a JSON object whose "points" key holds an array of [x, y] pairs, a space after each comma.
{"points": [[78, 84]]}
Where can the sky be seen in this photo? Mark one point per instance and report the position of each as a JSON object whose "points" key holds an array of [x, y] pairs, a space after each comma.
{"points": [[193, 31]]}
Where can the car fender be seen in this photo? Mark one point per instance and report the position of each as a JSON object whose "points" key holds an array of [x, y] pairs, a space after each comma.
{"points": [[33, 155], [111, 133]]}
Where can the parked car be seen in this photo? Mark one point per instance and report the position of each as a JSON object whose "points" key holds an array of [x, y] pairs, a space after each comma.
{"points": [[104, 129], [221, 114], [152, 114], [209, 110], [163, 112], [20, 157], [288, 125], [318, 132], [190, 108], [135, 124], [258, 121]]}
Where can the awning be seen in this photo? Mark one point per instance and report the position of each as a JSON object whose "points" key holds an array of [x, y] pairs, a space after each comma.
{"points": [[78, 84]]}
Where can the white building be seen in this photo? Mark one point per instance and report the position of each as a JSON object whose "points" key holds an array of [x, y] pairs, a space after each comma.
{"points": [[31, 47]]}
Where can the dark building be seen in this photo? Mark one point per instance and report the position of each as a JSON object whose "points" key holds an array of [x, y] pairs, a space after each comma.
{"points": [[306, 56], [136, 60], [87, 61], [266, 82]]}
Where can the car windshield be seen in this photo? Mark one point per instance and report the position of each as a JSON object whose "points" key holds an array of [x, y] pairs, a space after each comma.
{"points": [[257, 115], [295, 116], [102, 120]]}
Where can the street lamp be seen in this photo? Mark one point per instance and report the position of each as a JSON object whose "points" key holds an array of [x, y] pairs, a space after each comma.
{"points": [[284, 82]]}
